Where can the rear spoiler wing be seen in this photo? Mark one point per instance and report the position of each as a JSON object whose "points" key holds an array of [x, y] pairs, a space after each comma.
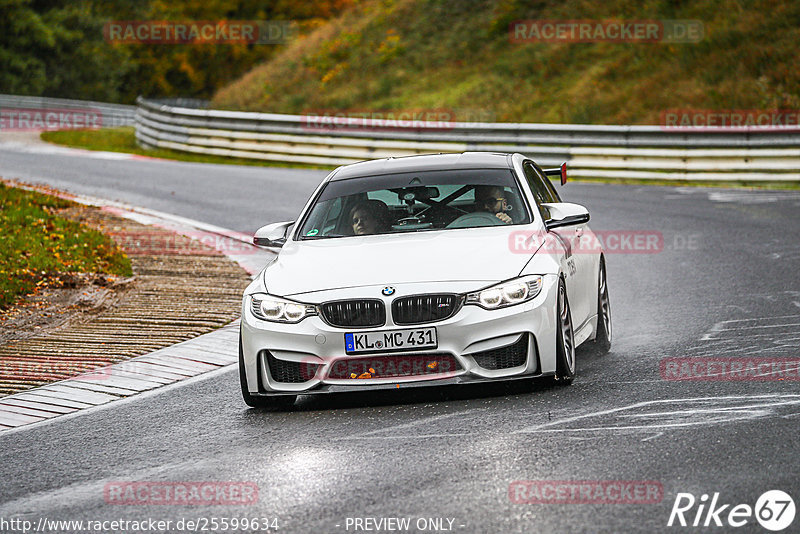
{"points": [[558, 171]]}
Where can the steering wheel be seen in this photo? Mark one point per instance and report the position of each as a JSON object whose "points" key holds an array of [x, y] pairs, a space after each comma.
{"points": [[479, 218]]}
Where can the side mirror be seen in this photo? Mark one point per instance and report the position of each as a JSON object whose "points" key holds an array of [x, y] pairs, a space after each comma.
{"points": [[565, 214], [272, 235]]}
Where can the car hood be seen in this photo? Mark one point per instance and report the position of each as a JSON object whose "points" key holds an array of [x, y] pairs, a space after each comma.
{"points": [[474, 254]]}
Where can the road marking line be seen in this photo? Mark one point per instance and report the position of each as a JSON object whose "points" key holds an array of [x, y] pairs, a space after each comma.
{"points": [[649, 403], [718, 327], [406, 436], [738, 328]]}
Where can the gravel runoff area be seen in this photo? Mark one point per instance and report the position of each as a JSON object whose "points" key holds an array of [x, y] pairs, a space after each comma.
{"points": [[180, 289]]}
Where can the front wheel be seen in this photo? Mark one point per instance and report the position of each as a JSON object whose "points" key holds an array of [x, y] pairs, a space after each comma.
{"points": [[565, 339], [275, 403]]}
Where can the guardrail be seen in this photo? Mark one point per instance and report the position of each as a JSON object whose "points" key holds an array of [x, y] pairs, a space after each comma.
{"points": [[643, 152], [110, 115]]}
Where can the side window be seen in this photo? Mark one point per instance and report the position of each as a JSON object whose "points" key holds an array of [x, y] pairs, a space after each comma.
{"points": [[539, 188], [334, 210], [548, 184]]}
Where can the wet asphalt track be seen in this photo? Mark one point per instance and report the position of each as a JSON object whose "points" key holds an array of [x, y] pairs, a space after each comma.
{"points": [[726, 284]]}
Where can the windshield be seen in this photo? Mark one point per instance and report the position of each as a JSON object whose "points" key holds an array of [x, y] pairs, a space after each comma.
{"points": [[418, 201]]}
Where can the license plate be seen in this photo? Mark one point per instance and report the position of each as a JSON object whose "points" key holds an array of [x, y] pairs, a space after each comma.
{"points": [[391, 340]]}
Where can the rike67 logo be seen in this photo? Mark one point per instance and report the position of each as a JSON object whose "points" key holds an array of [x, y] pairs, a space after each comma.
{"points": [[774, 510]]}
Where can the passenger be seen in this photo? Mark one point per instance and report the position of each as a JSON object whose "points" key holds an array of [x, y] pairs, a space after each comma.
{"points": [[491, 198], [370, 217]]}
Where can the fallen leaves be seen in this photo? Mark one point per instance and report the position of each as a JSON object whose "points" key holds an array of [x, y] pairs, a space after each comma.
{"points": [[38, 245]]}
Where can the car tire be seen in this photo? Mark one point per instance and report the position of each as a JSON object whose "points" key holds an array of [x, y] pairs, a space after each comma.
{"points": [[275, 403], [602, 341], [565, 339]]}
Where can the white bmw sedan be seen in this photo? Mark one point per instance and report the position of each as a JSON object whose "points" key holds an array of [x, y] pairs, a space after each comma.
{"points": [[424, 270]]}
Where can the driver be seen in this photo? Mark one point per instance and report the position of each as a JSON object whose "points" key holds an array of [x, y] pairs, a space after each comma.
{"points": [[491, 198], [369, 217]]}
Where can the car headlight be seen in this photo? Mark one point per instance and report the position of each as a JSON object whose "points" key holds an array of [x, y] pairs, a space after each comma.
{"points": [[506, 293], [278, 310]]}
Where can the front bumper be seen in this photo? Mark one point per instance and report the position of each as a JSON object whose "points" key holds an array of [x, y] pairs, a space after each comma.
{"points": [[318, 348]]}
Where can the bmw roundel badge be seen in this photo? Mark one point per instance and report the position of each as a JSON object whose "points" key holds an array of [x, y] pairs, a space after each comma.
{"points": [[388, 291]]}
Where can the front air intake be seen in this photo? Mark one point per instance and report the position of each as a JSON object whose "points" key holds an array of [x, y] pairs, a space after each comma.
{"points": [[420, 309], [506, 357], [354, 313]]}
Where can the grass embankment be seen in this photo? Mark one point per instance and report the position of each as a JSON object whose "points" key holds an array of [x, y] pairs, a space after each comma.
{"points": [[108, 139], [123, 139], [416, 55], [39, 249], [427, 54]]}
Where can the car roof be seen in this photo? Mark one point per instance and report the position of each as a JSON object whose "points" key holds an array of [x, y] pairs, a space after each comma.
{"points": [[427, 162]]}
